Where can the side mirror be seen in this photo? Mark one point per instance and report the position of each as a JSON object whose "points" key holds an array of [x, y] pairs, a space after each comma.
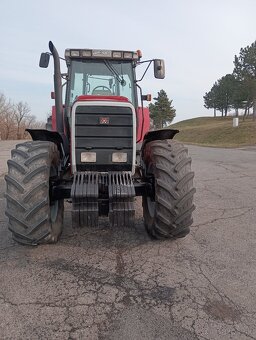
{"points": [[159, 69], [146, 97], [44, 60]]}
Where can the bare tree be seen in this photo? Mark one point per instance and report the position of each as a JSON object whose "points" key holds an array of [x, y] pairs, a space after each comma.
{"points": [[21, 114], [38, 125], [15, 119], [2, 104], [7, 123], [27, 123]]}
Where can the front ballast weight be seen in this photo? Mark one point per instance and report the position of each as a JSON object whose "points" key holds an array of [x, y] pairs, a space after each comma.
{"points": [[97, 194]]}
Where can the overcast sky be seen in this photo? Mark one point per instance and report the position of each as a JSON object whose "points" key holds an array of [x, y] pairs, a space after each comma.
{"points": [[197, 38]]}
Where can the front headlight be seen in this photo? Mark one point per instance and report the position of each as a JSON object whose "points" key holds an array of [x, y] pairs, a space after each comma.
{"points": [[74, 53], [119, 157], [88, 157]]}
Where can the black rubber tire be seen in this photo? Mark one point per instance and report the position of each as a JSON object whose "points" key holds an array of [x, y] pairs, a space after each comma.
{"points": [[33, 219], [48, 125], [169, 213]]}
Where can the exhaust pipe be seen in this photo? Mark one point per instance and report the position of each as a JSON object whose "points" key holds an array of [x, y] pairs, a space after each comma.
{"points": [[57, 89]]}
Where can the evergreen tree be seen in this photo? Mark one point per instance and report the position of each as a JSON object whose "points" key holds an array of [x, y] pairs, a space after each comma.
{"points": [[226, 88], [210, 98], [237, 90], [228, 92], [162, 112], [245, 71]]}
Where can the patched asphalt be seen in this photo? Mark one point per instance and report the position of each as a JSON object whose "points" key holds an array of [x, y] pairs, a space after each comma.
{"points": [[116, 284]]}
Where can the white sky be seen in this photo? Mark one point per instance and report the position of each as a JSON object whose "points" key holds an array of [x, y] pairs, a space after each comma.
{"points": [[197, 38]]}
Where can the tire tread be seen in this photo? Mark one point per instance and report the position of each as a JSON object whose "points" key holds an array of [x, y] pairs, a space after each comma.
{"points": [[174, 191], [27, 193]]}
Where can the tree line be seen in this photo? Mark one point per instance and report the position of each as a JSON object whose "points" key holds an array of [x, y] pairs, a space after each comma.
{"points": [[237, 90], [15, 118]]}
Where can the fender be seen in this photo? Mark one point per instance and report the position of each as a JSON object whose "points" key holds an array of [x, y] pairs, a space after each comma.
{"points": [[45, 135], [159, 135], [156, 135]]}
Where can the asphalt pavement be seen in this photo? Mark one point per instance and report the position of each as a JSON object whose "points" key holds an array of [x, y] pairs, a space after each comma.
{"points": [[112, 284]]}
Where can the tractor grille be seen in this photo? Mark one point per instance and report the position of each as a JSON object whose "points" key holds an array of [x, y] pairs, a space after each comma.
{"points": [[104, 130]]}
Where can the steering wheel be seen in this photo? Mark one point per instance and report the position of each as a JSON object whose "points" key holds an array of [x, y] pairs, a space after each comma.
{"points": [[102, 89]]}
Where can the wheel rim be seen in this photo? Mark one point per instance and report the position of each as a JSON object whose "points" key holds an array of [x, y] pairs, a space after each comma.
{"points": [[54, 211], [151, 207]]}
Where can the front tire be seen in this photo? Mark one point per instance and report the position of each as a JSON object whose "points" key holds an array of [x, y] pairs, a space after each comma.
{"points": [[33, 218], [168, 212]]}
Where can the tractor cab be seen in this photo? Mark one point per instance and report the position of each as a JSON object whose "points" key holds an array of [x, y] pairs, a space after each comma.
{"points": [[101, 73]]}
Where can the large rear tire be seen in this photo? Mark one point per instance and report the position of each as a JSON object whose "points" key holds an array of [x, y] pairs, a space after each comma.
{"points": [[168, 212], [33, 217]]}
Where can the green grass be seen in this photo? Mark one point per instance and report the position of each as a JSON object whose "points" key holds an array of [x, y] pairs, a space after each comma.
{"points": [[217, 131]]}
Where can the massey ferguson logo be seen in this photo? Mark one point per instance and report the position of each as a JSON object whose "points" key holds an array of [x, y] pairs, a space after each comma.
{"points": [[104, 120]]}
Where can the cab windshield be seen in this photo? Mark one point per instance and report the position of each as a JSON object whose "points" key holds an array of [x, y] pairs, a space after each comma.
{"points": [[102, 78]]}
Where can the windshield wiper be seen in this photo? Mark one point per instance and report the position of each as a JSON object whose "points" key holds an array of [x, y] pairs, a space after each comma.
{"points": [[111, 68]]}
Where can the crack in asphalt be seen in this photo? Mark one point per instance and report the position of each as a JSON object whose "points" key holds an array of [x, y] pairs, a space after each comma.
{"points": [[223, 218], [228, 311], [220, 164], [118, 280]]}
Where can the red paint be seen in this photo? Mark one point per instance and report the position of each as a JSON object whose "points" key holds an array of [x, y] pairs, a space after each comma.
{"points": [[54, 124], [54, 119], [102, 98], [143, 123], [147, 153]]}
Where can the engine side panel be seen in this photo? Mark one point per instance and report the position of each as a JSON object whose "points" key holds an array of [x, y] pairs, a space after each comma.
{"points": [[143, 122]]}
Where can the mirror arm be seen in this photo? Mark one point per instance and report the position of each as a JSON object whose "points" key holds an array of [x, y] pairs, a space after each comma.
{"points": [[144, 61], [149, 63], [50, 54], [64, 76]]}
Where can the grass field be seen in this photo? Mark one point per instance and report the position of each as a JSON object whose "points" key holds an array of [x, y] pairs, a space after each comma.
{"points": [[217, 131]]}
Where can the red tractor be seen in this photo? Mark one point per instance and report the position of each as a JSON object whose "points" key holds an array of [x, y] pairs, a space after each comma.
{"points": [[97, 151]]}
